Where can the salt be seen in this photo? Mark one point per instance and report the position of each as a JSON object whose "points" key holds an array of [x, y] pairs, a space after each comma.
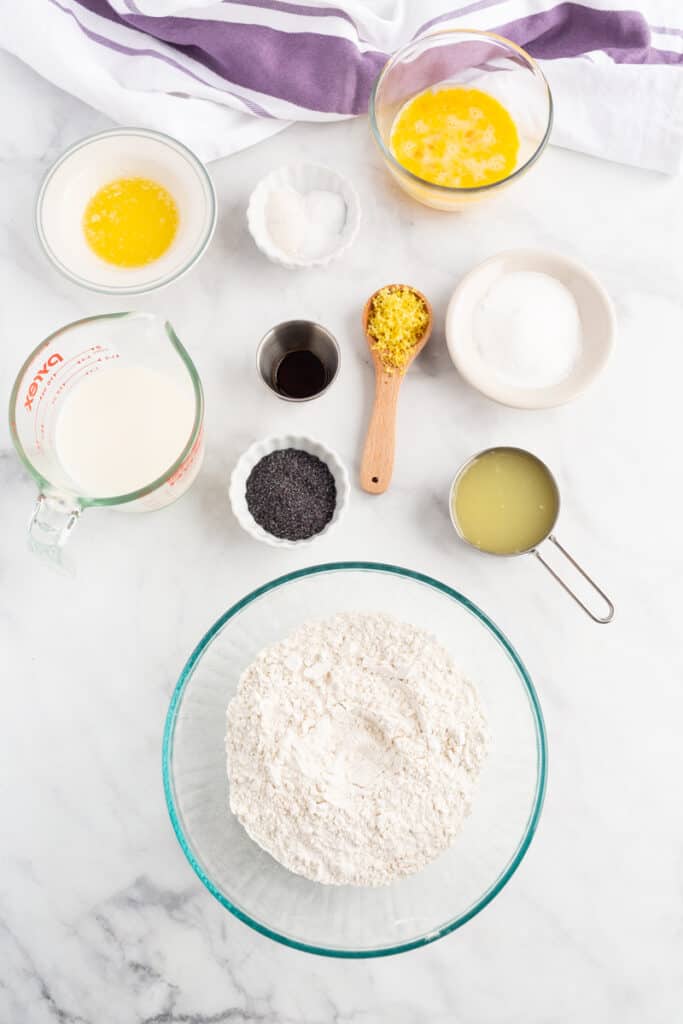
{"points": [[286, 219], [305, 226], [527, 329]]}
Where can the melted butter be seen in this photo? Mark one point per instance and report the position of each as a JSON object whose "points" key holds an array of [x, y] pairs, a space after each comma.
{"points": [[461, 138], [130, 222], [505, 501]]}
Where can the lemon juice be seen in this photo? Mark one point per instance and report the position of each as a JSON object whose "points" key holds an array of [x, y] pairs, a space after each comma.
{"points": [[505, 501]]}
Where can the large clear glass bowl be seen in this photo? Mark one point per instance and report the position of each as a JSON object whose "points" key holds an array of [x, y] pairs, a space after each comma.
{"points": [[347, 921], [477, 60]]}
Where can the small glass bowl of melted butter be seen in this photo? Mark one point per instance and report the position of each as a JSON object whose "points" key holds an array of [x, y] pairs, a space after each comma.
{"points": [[460, 115], [126, 211]]}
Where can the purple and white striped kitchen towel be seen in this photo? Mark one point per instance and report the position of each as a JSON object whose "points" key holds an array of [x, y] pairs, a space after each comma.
{"points": [[222, 75]]}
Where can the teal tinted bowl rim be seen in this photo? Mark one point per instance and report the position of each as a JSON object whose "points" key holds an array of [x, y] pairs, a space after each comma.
{"points": [[541, 751]]}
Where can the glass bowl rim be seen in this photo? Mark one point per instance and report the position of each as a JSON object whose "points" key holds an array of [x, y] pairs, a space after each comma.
{"points": [[541, 759], [441, 34], [169, 142]]}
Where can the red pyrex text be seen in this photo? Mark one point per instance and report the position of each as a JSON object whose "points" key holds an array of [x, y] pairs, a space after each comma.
{"points": [[41, 374]]}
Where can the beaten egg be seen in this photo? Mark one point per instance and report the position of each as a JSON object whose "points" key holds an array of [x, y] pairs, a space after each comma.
{"points": [[457, 137]]}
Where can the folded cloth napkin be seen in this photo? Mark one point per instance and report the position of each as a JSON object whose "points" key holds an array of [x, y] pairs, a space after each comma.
{"points": [[223, 75]]}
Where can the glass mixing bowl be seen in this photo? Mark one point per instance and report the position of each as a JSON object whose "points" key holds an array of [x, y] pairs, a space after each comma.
{"points": [[103, 158], [478, 60], [347, 921]]}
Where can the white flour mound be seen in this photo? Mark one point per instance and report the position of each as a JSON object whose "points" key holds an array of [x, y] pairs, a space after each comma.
{"points": [[354, 749]]}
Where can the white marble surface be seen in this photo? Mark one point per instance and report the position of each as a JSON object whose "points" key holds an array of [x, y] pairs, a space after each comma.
{"points": [[101, 919]]}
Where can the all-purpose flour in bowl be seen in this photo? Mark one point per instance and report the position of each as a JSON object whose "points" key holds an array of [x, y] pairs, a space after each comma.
{"points": [[354, 749]]}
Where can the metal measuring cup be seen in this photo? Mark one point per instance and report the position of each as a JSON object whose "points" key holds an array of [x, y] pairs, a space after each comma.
{"points": [[297, 336], [549, 536]]}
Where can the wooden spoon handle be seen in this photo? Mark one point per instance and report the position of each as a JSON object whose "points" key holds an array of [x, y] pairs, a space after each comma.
{"points": [[378, 455]]}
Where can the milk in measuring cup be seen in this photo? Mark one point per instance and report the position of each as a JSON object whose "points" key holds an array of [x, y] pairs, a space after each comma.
{"points": [[122, 428]]}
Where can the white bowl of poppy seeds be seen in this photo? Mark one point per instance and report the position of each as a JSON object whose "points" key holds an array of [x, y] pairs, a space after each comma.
{"points": [[287, 491]]}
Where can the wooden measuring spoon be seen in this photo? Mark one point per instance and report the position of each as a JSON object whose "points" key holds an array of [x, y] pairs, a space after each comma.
{"points": [[378, 455]]}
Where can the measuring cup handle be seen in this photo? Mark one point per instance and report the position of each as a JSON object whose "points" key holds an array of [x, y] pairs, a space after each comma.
{"points": [[53, 519], [609, 606]]}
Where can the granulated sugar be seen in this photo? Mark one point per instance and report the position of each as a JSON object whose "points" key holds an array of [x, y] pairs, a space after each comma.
{"points": [[528, 330], [354, 750]]}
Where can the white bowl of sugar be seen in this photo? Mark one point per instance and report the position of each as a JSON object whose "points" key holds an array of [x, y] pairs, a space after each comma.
{"points": [[530, 328]]}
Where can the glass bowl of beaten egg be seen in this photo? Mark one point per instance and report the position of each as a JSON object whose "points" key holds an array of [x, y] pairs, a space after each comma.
{"points": [[460, 115], [126, 211]]}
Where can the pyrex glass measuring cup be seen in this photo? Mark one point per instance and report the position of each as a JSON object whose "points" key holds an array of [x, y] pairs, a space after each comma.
{"points": [[493, 500], [49, 377]]}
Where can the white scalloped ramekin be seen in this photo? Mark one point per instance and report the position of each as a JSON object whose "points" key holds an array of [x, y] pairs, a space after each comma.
{"points": [[254, 454], [304, 178]]}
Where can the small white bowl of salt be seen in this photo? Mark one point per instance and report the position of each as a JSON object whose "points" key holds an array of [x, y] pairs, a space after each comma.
{"points": [[303, 215], [530, 329]]}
